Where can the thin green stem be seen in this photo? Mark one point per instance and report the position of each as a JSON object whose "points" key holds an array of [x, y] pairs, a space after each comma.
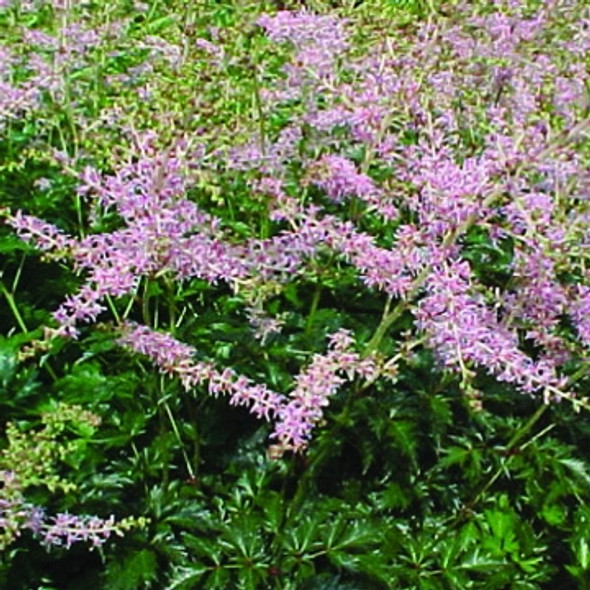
{"points": [[14, 308], [516, 438], [17, 274], [21, 322], [189, 467], [524, 430], [145, 305], [313, 309], [580, 373], [259, 111], [387, 319], [113, 309], [152, 11]]}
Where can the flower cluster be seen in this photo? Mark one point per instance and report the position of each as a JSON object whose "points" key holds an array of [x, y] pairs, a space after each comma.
{"points": [[295, 416], [318, 41], [438, 159], [338, 177], [463, 330], [49, 59], [61, 530], [314, 387], [29, 461], [177, 359], [44, 236]]}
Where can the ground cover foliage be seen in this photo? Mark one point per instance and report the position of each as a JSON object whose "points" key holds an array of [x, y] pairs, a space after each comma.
{"points": [[294, 296]]}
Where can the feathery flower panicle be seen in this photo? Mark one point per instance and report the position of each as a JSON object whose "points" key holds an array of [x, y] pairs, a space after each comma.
{"points": [[338, 177], [327, 119], [294, 418], [61, 530], [318, 41], [273, 159], [450, 194], [315, 385], [45, 236], [160, 48], [389, 270], [75, 309], [463, 330], [177, 359], [304, 29], [579, 309], [164, 233], [215, 51], [537, 299]]}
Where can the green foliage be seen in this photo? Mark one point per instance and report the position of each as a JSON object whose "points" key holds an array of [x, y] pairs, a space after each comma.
{"points": [[138, 570], [411, 483]]}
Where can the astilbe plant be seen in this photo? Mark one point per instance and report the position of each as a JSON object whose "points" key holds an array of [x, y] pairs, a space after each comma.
{"points": [[31, 460], [403, 171], [517, 183], [38, 63]]}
